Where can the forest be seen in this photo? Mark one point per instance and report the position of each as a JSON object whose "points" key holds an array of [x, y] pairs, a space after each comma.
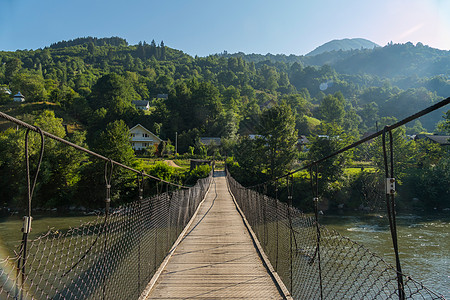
{"points": [[259, 105]]}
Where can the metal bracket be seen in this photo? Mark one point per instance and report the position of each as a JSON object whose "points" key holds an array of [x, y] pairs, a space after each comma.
{"points": [[390, 186], [27, 224]]}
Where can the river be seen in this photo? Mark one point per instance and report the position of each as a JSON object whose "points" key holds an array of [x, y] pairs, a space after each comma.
{"points": [[424, 243]]}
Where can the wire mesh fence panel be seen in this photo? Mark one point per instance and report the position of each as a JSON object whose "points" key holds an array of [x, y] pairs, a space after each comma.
{"points": [[112, 257], [315, 262]]}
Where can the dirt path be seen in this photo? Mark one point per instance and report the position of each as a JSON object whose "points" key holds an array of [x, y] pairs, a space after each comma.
{"points": [[172, 164]]}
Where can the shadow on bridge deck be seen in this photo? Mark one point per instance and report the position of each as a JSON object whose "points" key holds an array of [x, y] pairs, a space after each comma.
{"points": [[217, 257]]}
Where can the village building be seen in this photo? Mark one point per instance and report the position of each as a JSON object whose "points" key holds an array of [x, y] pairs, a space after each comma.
{"points": [[142, 138], [19, 97], [141, 104], [5, 90], [443, 140], [208, 141]]}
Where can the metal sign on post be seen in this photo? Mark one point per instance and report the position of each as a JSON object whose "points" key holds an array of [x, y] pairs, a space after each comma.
{"points": [[390, 186]]}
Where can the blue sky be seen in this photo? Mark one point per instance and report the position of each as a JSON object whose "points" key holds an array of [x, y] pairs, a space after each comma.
{"points": [[203, 27]]}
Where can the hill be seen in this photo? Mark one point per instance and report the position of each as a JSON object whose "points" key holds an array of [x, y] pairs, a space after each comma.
{"points": [[344, 45], [67, 73], [393, 61], [396, 60]]}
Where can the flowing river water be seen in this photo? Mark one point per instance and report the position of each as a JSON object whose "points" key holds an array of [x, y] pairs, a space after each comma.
{"points": [[424, 243], [424, 240]]}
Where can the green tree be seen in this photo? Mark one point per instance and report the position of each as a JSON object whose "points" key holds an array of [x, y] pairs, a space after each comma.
{"points": [[278, 138], [195, 105], [351, 121], [445, 124], [112, 92], [113, 143], [162, 148], [32, 86], [12, 67], [369, 115], [416, 128], [430, 184], [91, 48], [4, 97], [162, 170], [199, 172], [403, 153], [60, 169], [297, 103], [331, 109], [249, 166], [12, 183], [268, 78], [331, 138]]}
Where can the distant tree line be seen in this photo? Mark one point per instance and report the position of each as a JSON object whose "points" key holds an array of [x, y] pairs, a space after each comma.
{"points": [[112, 41]]}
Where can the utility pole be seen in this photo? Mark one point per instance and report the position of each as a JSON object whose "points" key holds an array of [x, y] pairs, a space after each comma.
{"points": [[176, 143]]}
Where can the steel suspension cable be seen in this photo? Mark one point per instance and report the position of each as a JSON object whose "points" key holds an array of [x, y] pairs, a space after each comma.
{"points": [[419, 114], [30, 191], [108, 179], [140, 184], [314, 177], [278, 221], [61, 140], [390, 204]]}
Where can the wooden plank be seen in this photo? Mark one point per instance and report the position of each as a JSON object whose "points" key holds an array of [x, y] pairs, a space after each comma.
{"points": [[216, 259]]}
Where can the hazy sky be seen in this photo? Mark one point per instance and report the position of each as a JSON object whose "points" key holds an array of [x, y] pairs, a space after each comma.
{"points": [[202, 27]]}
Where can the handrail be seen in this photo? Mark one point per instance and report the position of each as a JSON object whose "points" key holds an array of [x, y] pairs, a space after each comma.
{"points": [[56, 138], [368, 138]]}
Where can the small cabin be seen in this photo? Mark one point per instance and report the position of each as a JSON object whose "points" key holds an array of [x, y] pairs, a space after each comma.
{"points": [[19, 97], [210, 141], [141, 104]]}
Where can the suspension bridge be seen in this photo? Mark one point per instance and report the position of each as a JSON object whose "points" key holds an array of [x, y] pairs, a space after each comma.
{"points": [[216, 258], [214, 240]]}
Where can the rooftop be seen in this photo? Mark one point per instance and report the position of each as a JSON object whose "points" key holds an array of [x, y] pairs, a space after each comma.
{"points": [[140, 102]]}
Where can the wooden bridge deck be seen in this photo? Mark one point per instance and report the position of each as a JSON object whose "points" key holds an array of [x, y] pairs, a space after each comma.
{"points": [[217, 258]]}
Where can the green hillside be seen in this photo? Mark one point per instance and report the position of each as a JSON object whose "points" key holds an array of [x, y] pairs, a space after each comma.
{"points": [[343, 45], [83, 90]]}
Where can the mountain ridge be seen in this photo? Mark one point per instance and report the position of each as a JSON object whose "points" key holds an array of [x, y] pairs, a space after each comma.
{"points": [[344, 45]]}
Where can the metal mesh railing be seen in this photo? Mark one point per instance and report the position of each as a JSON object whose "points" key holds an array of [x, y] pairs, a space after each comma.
{"points": [[113, 257], [315, 262]]}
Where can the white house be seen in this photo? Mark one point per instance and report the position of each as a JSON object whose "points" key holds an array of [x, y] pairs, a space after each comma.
{"points": [[141, 104], [5, 90], [19, 97], [142, 138]]}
